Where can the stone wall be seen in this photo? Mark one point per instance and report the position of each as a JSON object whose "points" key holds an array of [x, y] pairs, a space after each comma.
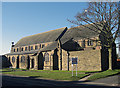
{"points": [[87, 60], [23, 64], [64, 60], [10, 59], [29, 47]]}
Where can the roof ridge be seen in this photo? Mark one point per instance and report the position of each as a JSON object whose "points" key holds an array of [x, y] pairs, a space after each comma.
{"points": [[36, 38], [81, 26], [43, 32]]}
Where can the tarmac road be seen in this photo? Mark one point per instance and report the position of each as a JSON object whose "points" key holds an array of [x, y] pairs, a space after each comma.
{"points": [[15, 81]]}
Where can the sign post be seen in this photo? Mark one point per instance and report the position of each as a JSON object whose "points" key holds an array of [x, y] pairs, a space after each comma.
{"points": [[76, 69], [72, 69], [74, 61]]}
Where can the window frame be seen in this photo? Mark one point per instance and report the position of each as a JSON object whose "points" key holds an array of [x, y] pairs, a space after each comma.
{"points": [[43, 45], [26, 48], [17, 49], [14, 50], [22, 49], [83, 44], [90, 42], [36, 47], [31, 48], [22, 59], [46, 57], [32, 63], [13, 59], [40, 45]]}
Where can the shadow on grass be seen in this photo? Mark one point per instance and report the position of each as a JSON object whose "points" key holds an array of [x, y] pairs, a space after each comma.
{"points": [[30, 82], [84, 76], [93, 72], [35, 76], [5, 71]]}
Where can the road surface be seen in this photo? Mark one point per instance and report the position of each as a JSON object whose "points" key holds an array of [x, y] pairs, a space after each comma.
{"points": [[31, 82]]}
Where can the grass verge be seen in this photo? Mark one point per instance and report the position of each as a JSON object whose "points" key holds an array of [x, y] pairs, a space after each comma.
{"points": [[104, 74]]}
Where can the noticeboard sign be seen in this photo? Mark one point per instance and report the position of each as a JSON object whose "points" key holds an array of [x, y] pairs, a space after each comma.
{"points": [[74, 60]]}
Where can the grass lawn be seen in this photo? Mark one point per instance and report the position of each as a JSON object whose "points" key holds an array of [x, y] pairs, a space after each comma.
{"points": [[104, 74], [55, 74], [59, 75]]}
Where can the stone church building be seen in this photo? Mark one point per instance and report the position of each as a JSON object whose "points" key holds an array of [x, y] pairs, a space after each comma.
{"points": [[54, 49]]}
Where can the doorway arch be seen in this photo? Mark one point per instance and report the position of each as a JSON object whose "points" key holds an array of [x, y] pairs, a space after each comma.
{"points": [[17, 65], [55, 60], [32, 63], [40, 61], [28, 62]]}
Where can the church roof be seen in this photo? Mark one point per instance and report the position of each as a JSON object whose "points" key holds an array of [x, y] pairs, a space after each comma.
{"points": [[64, 34], [51, 46], [49, 36], [75, 33], [78, 33]]}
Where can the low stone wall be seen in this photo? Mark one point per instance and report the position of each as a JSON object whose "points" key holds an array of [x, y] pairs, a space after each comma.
{"points": [[87, 60]]}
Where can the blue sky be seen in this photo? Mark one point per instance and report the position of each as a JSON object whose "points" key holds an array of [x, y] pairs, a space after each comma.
{"points": [[20, 19]]}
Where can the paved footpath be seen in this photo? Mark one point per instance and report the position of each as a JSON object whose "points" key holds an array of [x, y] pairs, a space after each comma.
{"points": [[112, 80], [85, 78], [109, 81]]}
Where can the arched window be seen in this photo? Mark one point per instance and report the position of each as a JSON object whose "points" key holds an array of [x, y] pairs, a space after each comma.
{"points": [[40, 45], [23, 59], [13, 59], [25, 48], [43, 45], [17, 49], [14, 50], [46, 56], [83, 43], [31, 47], [32, 62], [22, 49], [36, 47], [90, 42]]}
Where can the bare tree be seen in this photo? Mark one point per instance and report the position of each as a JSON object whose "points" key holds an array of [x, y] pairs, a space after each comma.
{"points": [[104, 17]]}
